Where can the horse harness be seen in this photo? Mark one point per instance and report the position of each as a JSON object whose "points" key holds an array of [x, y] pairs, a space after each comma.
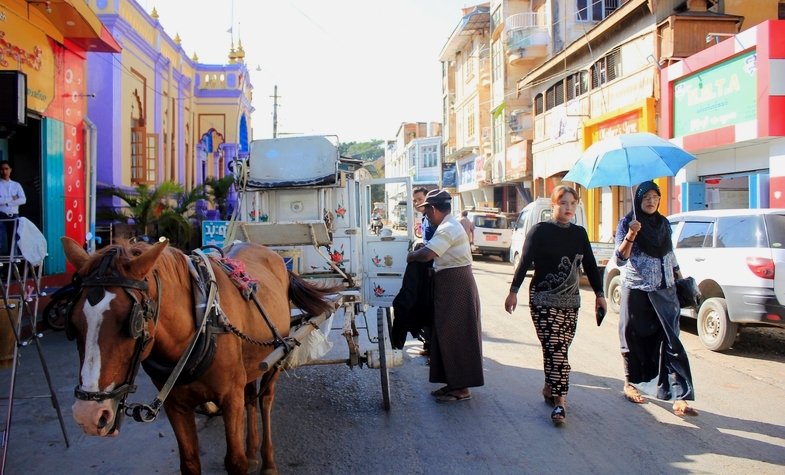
{"points": [[209, 320]]}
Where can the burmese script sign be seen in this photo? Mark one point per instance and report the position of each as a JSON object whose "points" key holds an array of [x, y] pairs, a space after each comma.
{"points": [[723, 95]]}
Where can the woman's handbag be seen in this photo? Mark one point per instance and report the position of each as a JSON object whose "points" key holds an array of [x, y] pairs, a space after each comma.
{"points": [[688, 292]]}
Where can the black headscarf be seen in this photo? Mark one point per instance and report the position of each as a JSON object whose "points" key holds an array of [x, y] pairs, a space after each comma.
{"points": [[654, 238]]}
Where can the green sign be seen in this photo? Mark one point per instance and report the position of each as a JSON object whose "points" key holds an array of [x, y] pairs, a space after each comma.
{"points": [[723, 95]]}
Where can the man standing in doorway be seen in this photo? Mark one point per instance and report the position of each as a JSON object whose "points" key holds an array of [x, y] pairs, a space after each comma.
{"points": [[11, 197]]}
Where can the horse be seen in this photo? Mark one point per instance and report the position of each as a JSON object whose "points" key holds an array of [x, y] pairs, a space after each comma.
{"points": [[139, 303]]}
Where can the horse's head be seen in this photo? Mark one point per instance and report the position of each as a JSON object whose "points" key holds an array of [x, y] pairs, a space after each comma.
{"points": [[113, 318]]}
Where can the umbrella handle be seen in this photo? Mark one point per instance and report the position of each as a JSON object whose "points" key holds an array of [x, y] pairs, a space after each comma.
{"points": [[632, 196]]}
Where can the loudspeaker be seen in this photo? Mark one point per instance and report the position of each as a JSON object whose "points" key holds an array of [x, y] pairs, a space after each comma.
{"points": [[13, 98]]}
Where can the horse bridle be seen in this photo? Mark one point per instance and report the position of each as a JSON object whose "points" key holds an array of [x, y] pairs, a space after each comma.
{"points": [[142, 312]]}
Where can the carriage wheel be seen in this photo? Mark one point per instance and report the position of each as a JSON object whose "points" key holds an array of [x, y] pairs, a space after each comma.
{"points": [[385, 349]]}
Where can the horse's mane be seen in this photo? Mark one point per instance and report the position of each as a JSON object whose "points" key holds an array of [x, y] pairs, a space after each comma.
{"points": [[172, 261]]}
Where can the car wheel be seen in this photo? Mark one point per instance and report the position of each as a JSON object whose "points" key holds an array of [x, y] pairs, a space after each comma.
{"points": [[516, 260], [715, 329], [614, 294]]}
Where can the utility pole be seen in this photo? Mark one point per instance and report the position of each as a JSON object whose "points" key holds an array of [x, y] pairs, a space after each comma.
{"points": [[275, 111]]}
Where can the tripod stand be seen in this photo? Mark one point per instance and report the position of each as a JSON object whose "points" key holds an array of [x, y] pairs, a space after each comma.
{"points": [[20, 292]]}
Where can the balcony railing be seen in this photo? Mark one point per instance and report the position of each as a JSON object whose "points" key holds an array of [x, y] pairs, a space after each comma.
{"points": [[523, 32], [520, 20]]}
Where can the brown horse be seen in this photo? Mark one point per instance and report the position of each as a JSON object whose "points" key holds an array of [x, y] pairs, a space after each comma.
{"points": [[137, 303]]}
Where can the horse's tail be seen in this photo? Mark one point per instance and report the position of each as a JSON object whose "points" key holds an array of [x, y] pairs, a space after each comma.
{"points": [[310, 297]]}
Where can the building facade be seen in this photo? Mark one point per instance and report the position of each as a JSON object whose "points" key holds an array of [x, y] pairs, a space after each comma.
{"points": [[415, 152], [49, 139]]}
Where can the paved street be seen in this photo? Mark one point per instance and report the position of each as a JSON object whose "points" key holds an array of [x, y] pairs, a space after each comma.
{"points": [[329, 419]]}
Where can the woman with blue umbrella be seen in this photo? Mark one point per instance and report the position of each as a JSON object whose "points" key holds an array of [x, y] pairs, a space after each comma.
{"points": [[649, 316]]}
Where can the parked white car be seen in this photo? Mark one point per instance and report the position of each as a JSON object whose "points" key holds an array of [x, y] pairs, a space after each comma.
{"points": [[492, 232], [737, 257]]}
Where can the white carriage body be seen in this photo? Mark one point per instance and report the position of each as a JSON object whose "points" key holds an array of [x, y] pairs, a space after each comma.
{"points": [[302, 199]]}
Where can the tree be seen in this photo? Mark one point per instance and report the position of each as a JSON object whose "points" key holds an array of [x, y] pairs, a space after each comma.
{"points": [[367, 151], [160, 211], [218, 192]]}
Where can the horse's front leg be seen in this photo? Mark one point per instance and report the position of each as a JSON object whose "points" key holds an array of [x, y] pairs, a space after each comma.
{"points": [[184, 425], [266, 404], [252, 428], [233, 407]]}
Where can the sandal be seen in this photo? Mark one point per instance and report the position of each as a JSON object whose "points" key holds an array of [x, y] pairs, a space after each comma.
{"points": [[558, 415], [453, 396], [681, 408], [441, 391], [546, 394], [633, 395]]}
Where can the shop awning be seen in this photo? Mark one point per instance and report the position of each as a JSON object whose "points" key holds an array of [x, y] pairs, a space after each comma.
{"points": [[78, 24]]}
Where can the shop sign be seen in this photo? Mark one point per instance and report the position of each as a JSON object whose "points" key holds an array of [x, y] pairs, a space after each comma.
{"points": [[623, 124], [26, 48], [449, 180], [723, 95], [214, 233]]}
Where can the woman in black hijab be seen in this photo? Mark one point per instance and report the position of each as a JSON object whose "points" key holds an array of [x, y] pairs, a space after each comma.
{"points": [[649, 317]]}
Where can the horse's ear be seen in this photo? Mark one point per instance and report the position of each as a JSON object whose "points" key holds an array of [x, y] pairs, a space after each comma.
{"points": [[74, 252], [141, 265]]}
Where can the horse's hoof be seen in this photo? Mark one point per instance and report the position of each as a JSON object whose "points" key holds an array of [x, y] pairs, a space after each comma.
{"points": [[254, 465]]}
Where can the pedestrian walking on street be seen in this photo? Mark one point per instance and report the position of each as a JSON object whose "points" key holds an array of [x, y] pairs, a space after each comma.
{"points": [[456, 337], [468, 226], [649, 314], [557, 249]]}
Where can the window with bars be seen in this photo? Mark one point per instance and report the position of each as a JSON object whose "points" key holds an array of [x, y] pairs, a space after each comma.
{"points": [[144, 150], [606, 69], [538, 104], [470, 126], [576, 85], [594, 10], [429, 158]]}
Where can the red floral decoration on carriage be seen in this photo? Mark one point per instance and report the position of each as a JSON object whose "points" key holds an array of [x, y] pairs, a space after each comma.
{"points": [[378, 290], [340, 211]]}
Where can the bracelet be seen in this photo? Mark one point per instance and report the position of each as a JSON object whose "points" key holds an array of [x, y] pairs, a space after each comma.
{"points": [[629, 240]]}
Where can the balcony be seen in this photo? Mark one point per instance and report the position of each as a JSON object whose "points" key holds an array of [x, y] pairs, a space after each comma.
{"points": [[683, 35], [526, 39]]}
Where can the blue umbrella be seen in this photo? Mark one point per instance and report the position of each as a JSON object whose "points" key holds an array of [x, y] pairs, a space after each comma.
{"points": [[627, 160]]}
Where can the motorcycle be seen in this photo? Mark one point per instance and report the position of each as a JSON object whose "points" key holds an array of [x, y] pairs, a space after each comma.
{"points": [[376, 224]]}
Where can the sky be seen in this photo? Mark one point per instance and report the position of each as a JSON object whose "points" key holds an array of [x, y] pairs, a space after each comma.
{"points": [[352, 68]]}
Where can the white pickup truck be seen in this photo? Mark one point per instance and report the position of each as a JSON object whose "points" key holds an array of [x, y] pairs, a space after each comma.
{"points": [[542, 210]]}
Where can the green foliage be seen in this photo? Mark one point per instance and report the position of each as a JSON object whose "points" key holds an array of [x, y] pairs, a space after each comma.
{"points": [[218, 190], [160, 211], [362, 150]]}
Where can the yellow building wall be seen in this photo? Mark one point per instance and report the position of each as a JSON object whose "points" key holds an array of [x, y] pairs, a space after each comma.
{"points": [[753, 11]]}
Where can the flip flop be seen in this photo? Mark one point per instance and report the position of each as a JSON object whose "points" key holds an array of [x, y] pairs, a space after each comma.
{"points": [[633, 395], [453, 397], [441, 391], [681, 408], [558, 415]]}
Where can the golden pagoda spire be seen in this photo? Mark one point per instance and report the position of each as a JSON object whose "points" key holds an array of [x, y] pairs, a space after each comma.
{"points": [[240, 51], [154, 14], [232, 54], [177, 39], [195, 58]]}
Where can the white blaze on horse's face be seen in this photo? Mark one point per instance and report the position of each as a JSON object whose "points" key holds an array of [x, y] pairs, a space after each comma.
{"points": [[91, 368]]}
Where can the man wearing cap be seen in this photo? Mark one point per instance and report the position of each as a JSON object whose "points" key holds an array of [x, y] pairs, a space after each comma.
{"points": [[456, 339]]}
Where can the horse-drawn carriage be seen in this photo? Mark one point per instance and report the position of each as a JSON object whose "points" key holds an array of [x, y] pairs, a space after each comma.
{"points": [[298, 196], [218, 326]]}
